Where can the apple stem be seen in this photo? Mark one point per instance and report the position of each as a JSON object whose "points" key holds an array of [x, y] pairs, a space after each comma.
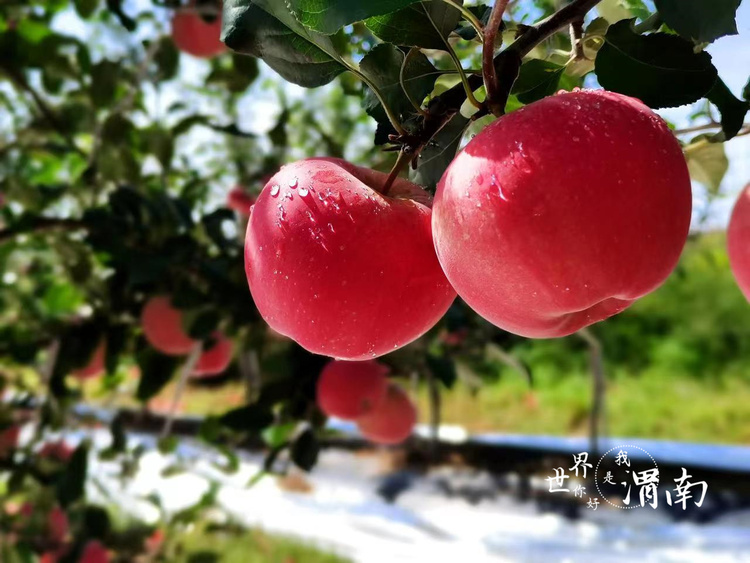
{"points": [[403, 159], [187, 369], [596, 358], [491, 82]]}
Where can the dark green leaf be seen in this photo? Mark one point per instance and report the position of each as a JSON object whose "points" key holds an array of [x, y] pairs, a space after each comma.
{"points": [[746, 91], [96, 522], [104, 76], [382, 66], [249, 418], [732, 110], [156, 371], [440, 152], [425, 25], [328, 16], [702, 21], [70, 487], [117, 428], [86, 8], [660, 69], [305, 450], [167, 58], [537, 80], [267, 30], [465, 30]]}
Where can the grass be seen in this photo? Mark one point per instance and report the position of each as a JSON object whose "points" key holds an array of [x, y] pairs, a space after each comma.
{"points": [[651, 405], [228, 544]]}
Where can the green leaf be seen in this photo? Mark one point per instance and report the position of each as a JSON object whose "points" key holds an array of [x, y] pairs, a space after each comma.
{"points": [[440, 152], [267, 30], [156, 371], [104, 77], [86, 8], [425, 25], [701, 21], [115, 6], [248, 418], [482, 12], [167, 58], [328, 16], [707, 162], [660, 69], [732, 110], [70, 486], [305, 450], [746, 91], [537, 79], [382, 65]]}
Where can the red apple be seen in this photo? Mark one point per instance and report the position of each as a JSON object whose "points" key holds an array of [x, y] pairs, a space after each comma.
{"points": [[738, 241], [57, 525], [216, 359], [154, 542], [195, 36], [240, 201], [56, 451], [392, 420], [563, 213], [350, 390], [162, 326], [94, 552], [95, 367], [341, 269], [9, 439]]}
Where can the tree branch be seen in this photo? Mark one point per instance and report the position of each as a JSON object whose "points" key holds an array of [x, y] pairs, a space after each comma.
{"points": [[22, 84], [507, 64], [38, 225], [491, 83], [599, 386]]}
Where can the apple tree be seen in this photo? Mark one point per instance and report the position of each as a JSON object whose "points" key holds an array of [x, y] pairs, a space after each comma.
{"points": [[151, 237]]}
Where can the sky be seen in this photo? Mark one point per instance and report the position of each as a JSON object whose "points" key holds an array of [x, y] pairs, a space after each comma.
{"points": [[259, 108]]}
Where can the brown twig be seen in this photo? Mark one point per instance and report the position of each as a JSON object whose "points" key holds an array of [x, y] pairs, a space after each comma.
{"points": [[599, 387], [491, 82]]}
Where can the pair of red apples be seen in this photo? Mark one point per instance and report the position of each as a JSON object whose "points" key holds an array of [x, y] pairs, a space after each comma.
{"points": [[556, 216], [163, 328]]}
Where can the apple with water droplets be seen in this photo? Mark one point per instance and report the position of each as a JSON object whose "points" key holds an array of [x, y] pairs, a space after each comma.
{"points": [[197, 36], [738, 241], [338, 266], [563, 213], [392, 421], [349, 390]]}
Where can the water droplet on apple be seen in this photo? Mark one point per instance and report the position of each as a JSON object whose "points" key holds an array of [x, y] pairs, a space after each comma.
{"points": [[303, 192], [274, 190], [293, 183]]}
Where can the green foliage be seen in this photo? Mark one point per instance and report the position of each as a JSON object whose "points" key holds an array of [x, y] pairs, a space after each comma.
{"points": [[424, 24], [660, 69], [698, 20]]}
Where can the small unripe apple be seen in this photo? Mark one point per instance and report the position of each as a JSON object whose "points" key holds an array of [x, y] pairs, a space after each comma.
{"points": [[738, 241], [162, 326], [94, 552], [240, 201], [350, 390], [58, 451], [341, 269], [95, 367], [563, 213], [9, 439], [392, 421], [216, 359], [57, 525], [195, 36]]}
